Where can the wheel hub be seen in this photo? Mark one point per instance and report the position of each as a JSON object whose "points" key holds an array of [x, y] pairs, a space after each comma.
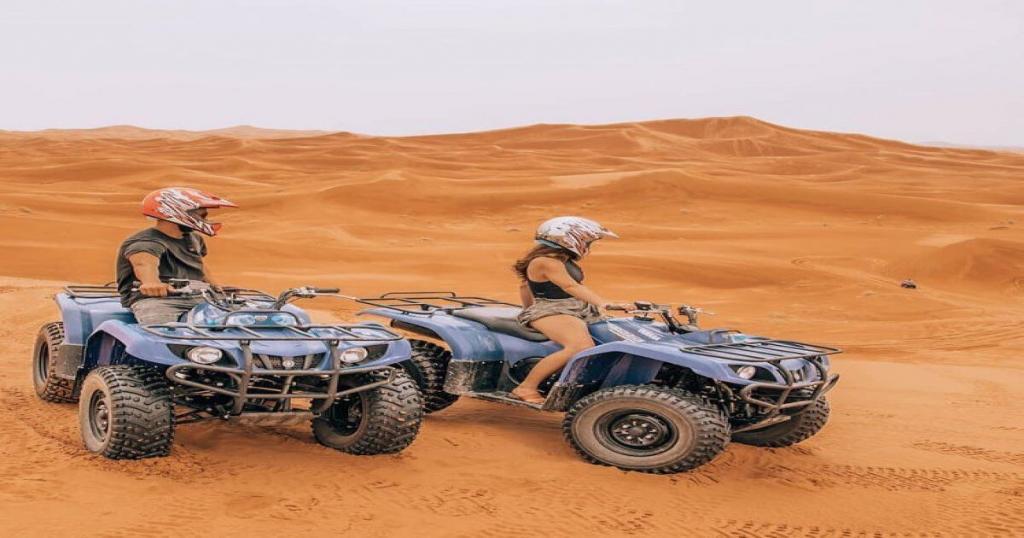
{"points": [[347, 414], [639, 430], [99, 415]]}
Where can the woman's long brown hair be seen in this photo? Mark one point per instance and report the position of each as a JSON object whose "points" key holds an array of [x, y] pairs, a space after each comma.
{"points": [[537, 252]]}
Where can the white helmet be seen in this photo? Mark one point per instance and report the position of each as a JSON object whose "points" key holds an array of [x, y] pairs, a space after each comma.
{"points": [[574, 234]]}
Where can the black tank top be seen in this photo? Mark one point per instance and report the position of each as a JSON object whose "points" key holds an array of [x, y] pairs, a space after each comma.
{"points": [[550, 290]]}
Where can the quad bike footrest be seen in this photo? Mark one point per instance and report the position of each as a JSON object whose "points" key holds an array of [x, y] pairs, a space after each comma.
{"points": [[502, 397], [280, 418]]}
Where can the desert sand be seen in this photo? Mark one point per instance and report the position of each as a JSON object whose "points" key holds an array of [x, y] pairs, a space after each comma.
{"points": [[778, 231]]}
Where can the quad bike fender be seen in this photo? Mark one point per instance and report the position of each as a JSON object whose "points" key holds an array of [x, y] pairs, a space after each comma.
{"points": [[398, 351], [83, 316], [100, 347], [466, 339], [621, 363]]}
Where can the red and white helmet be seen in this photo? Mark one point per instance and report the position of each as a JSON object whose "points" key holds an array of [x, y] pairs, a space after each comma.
{"points": [[178, 205], [574, 234]]}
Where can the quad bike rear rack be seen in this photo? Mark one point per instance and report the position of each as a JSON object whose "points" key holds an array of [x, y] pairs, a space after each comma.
{"points": [[109, 291], [90, 291], [774, 352], [428, 302], [243, 376]]}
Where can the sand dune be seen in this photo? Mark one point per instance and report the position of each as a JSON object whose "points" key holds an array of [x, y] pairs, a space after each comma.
{"points": [[779, 231], [131, 132], [988, 264]]}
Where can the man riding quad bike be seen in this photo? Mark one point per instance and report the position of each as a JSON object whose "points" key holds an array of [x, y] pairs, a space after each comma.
{"points": [[170, 249], [236, 354], [166, 338]]}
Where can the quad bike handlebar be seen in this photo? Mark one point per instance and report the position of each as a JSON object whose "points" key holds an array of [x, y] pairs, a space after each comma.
{"points": [[645, 309], [232, 298], [179, 286]]}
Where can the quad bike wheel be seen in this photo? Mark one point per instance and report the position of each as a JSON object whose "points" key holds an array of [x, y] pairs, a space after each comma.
{"points": [[798, 428], [126, 412], [646, 428], [383, 420], [47, 384], [428, 368]]}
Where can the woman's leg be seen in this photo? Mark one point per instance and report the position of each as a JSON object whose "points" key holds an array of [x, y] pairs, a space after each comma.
{"points": [[568, 331]]}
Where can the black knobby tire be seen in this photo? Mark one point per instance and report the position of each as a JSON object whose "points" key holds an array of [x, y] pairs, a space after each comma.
{"points": [[672, 430], [428, 367], [384, 420], [799, 428], [47, 384], [126, 412]]}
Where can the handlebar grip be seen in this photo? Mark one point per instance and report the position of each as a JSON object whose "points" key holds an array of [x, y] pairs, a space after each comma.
{"points": [[326, 290], [174, 290], [615, 307]]}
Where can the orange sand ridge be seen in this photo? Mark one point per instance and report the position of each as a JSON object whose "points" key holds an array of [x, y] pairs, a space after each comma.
{"points": [[779, 231]]}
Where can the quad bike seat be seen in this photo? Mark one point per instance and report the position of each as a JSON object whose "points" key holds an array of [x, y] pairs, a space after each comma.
{"points": [[501, 319]]}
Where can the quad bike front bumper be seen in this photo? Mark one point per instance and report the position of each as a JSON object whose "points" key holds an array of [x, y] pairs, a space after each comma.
{"points": [[243, 377], [776, 401], [241, 389]]}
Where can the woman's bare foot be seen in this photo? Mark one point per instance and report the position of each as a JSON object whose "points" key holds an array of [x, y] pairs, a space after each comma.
{"points": [[528, 395]]}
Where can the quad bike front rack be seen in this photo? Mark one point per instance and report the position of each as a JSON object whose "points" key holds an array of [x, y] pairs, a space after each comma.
{"points": [[284, 333], [774, 352]]}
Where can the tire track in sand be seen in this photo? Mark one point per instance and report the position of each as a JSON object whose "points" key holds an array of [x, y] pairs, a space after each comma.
{"points": [[886, 478], [972, 452], [51, 431]]}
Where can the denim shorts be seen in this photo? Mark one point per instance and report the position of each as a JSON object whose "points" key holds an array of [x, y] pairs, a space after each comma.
{"points": [[542, 308]]}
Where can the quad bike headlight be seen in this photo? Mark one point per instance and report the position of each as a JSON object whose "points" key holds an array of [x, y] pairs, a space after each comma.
{"points": [[241, 320], [204, 355], [746, 372], [353, 355], [284, 320]]}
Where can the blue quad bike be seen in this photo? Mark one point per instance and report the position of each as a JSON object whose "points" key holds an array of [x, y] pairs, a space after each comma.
{"points": [[238, 354], [655, 395]]}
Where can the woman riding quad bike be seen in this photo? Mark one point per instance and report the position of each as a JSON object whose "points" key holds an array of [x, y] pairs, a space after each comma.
{"points": [[649, 392]]}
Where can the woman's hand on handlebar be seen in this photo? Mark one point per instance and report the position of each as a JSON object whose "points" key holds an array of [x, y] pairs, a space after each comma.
{"points": [[621, 307]]}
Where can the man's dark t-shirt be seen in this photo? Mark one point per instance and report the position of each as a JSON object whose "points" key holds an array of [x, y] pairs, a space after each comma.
{"points": [[179, 258]]}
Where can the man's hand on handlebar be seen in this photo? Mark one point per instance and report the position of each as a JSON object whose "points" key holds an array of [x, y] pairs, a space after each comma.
{"points": [[155, 289], [621, 307], [174, 286]]}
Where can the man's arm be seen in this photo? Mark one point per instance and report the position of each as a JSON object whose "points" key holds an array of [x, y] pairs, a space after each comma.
{"points": [[147, 270], [207, 276]]}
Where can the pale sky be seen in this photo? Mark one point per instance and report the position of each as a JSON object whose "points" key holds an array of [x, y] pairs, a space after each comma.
{"points": [[923, 70]]}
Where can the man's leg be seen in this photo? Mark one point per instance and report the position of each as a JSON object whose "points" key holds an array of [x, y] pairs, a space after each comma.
{"points": [[162, 310]]}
